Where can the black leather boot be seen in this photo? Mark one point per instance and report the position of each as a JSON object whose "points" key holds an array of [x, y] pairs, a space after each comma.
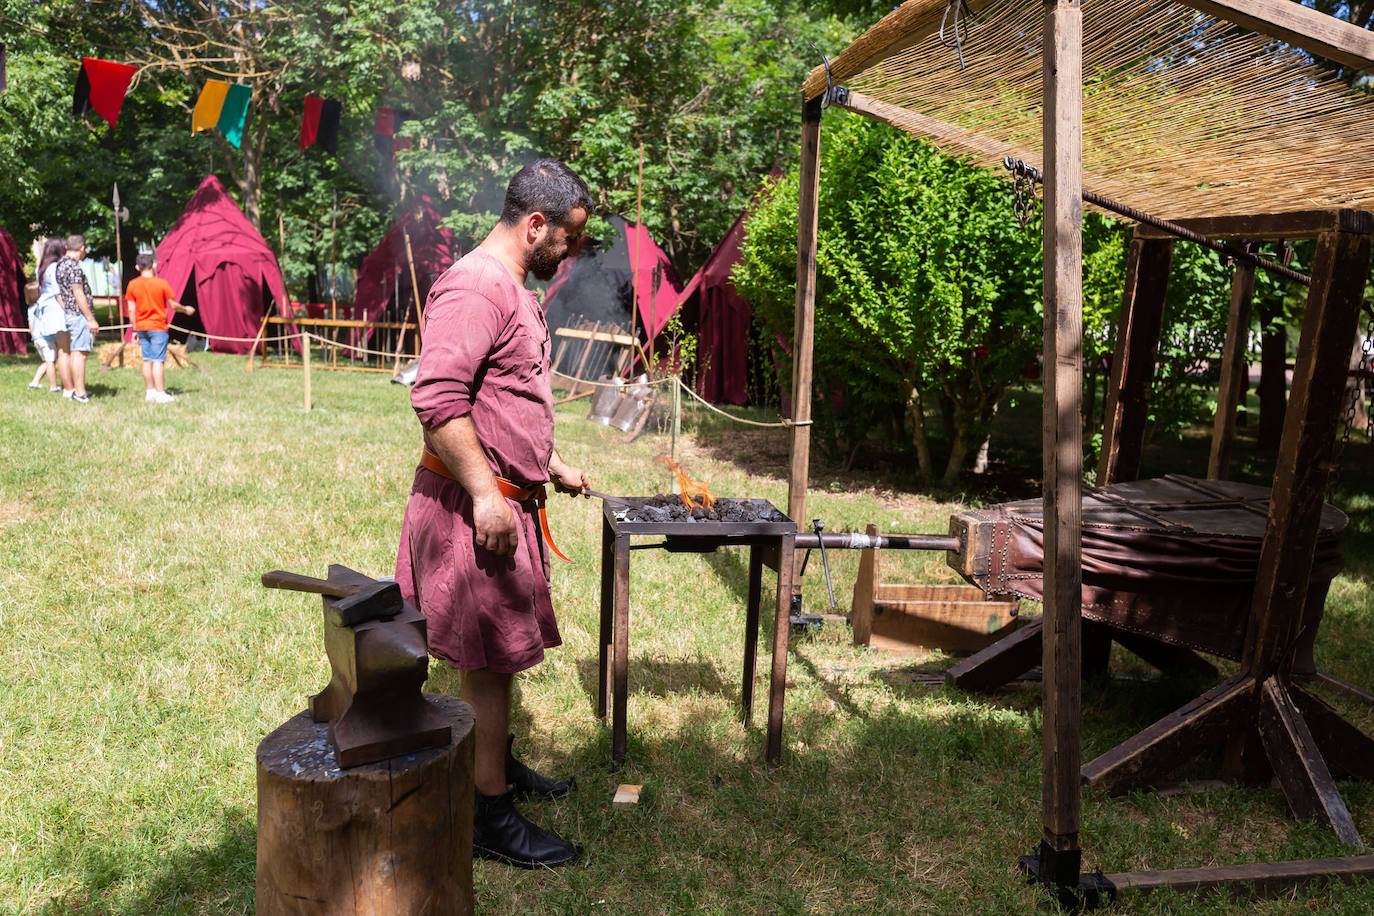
{"points": [[529, 784], [502, 834]]}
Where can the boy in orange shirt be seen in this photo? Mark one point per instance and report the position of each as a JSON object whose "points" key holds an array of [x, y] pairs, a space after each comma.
{"points": [[148, 297]]}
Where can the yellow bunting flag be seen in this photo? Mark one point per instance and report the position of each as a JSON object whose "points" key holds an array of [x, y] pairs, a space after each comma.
{"points": [[206, 114]]}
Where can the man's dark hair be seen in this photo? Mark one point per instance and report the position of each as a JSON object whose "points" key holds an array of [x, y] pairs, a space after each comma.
{"points": [[145, 260], [76, 242], [545, 186]]}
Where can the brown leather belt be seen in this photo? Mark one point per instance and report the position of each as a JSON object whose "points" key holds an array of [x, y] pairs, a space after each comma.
{"points": [[536, 494]]}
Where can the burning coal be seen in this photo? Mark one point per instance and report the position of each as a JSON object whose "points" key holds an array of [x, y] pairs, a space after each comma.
{"points": [[693, 493]]}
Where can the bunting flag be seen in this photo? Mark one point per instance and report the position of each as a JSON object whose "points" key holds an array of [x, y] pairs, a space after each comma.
{"points": [[208, 106], [222, 105], [328, 135], [234, 113], [386, 128], [389, 121], [100, 86], [310, 123]]}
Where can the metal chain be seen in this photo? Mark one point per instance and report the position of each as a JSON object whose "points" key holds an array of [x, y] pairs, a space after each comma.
{"points": [[1025, 180]]}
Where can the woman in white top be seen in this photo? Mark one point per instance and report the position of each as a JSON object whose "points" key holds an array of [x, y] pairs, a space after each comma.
{"points": [[46, 320]]}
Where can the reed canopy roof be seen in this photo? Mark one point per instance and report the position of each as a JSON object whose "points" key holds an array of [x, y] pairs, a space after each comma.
{"points": [[1184, 113]]}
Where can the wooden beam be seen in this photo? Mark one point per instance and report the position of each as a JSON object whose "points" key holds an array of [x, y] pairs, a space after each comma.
{"points": [[910, 121], [1062, 428], [1009, 657], [1234, 366], [1339, 269], [1299, 765], [1323, 35], [865, 586], [900, 29], [1133, 363], [1298, 224], [1149, 755], [1261, 878], [1348, 751], [805, 319]]}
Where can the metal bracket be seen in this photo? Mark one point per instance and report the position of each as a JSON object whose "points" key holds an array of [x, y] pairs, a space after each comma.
{"points": [[1057, 871]]}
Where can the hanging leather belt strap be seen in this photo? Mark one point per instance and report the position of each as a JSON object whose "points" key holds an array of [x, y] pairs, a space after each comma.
{"points": [[536, 494]]}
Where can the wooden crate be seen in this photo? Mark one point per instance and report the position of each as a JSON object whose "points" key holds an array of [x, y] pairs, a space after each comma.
{"points": [[913, 618]]}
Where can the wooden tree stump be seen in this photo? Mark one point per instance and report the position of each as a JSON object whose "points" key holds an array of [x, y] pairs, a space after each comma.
{"points": [[387, 837]]}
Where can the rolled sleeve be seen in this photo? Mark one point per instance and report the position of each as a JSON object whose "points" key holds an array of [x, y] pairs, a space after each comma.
{"points": [[461, 328]]}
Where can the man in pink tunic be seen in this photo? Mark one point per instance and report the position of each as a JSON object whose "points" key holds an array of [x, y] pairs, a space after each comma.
{"points": [[471, 556]]}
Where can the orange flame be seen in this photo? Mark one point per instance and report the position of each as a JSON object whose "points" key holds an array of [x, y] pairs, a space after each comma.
{"points": [[693, 493]]}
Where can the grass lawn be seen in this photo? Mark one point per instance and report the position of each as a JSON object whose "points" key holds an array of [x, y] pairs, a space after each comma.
{"points": [[141, 662]]}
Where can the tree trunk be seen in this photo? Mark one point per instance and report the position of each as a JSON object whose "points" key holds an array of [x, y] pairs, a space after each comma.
{"points": [[916, 411], [958, 453], [1273, 385], [980, 461]]}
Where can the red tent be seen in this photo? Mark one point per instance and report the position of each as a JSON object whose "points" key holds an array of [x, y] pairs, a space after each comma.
{"points": [[722, 318], [13, 312], [387, 269], [233, 270]]}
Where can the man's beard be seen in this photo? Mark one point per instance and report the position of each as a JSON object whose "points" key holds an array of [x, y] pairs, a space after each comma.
{"points": [[543, 262]]}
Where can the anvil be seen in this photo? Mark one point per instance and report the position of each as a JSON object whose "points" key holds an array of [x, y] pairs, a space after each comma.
{"points": [[377, 650]]}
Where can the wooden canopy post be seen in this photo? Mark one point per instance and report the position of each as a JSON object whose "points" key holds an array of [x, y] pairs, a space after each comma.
{"points": [[1133, 362], [1058, 858], [804, 330], [1234, 365]]}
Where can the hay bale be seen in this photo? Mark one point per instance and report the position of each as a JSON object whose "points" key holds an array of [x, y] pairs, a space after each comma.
{"points": [[131, 358]]}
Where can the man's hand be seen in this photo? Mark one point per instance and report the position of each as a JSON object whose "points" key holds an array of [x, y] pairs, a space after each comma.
{"points": [[493, 524], [187, 309], [566, 478]]}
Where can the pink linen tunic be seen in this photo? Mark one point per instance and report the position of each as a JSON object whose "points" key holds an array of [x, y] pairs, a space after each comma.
{"points": [[485, 355]]}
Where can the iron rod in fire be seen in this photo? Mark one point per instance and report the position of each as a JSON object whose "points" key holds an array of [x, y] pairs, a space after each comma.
{"points": [[857, 541]]}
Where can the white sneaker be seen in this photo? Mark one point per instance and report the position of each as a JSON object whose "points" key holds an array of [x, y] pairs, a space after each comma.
{"points": [[35, 385], [68, 392], [150, 394], [163, 397]]}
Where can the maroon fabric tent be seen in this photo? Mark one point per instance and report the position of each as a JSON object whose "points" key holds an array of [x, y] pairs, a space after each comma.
{"points": [[387, 269], [722, 319], [13, 312], [215, 245]]}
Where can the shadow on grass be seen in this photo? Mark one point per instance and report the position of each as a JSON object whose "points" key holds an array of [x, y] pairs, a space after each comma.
{"points": [[218, 876]]}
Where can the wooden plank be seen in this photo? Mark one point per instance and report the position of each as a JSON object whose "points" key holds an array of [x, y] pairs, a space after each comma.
{"points": [[1133, 365], [623, 340], [1151, 754], [1299, 766], [1010, 656], [1323, 35], [1271, 227], [865, 587], [577, 375], [1062, 129], [916, 626], [1259, 878], [805, 318], [910, 23], [1234, 365], [1339, 269], [1348, 751], [921, 591]]}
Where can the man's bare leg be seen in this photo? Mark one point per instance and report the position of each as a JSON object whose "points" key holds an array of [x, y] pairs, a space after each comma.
{"points": [[488, 693]]}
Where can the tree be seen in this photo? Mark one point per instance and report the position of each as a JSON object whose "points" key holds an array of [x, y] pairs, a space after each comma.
{"points": [[928, 292]]}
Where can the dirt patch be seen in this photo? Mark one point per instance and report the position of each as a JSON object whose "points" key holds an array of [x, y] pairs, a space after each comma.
{"points": [[13, 512]]}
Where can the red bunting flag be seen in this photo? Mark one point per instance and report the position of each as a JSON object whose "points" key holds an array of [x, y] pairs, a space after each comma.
{"points": [[320, 123], [100, 86], [310, 123]]}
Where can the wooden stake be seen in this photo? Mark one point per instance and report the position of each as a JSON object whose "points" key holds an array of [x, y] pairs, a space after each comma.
{"points": [[1059, 853], [305, 355], [253, 350], [634, 255], [415, 295]]}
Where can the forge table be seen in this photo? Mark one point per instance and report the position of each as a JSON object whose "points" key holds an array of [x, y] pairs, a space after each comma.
{"points": [[770, 544]]}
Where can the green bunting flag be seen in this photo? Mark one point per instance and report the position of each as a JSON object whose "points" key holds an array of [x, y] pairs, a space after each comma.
{"points": [[222, 105]]}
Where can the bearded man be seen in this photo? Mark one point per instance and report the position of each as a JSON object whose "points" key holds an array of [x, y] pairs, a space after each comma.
{"points": [[471, 557]]}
